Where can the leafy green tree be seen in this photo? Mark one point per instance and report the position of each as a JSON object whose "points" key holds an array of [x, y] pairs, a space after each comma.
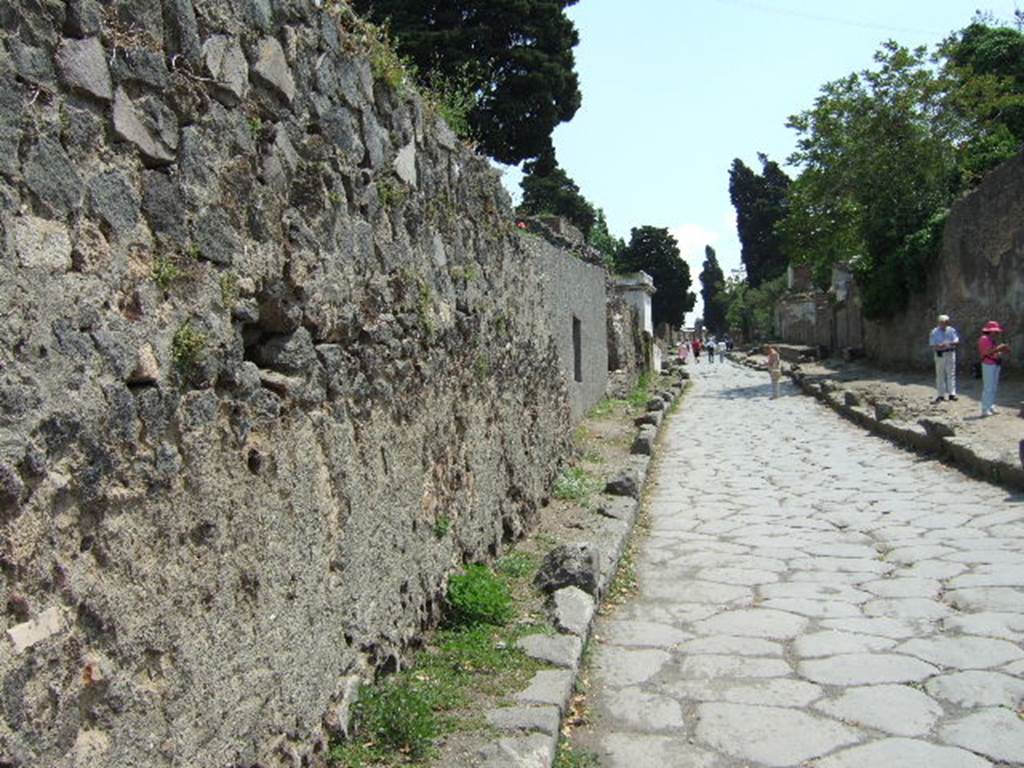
{"points": [[984, 75], [712, 280], [547, 188], [656, 252], [760, 200], [878, 167], [516, 55], [750, 312], [602, 239]]}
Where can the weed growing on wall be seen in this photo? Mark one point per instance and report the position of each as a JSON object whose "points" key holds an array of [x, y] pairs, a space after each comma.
{"points": [[188, 348], [165, 272]]}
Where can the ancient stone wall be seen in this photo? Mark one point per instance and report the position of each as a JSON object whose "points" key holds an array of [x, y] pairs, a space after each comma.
{"points": [[273, 361], [576, 300], [979, 276]]}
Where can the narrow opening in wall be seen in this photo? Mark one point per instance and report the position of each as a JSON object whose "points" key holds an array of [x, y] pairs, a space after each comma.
{"points": [[577, 349]]}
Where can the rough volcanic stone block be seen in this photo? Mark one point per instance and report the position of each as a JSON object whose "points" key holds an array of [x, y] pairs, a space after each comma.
{"points": [[570, 565]]}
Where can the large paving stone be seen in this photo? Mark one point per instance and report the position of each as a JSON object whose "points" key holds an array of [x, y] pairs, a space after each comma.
{"points": [[766, 692], [640, 711], [637, 750], [978, 689], [995, 733], [695, 591], [912, 608], [814, 591], [727, 644], [884, 627], [770, 735], [866, 669], [713, 667], [739, 576], [822, 609], [962, 652], [832, 642], [896, 709], [642, 634], [1008, 626], [753, 622], [996, 599], [573, 610], [621, 667], [902, 753], [904, 587]]}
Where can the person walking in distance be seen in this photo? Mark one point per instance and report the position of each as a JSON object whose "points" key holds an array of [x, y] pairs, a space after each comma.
{"points": [[774, 369], [943, 340], [696, 346], [709, 345], [991, 351]]}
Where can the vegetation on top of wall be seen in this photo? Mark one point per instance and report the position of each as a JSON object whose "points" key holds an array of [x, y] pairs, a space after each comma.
{"points": [[884, 152]]}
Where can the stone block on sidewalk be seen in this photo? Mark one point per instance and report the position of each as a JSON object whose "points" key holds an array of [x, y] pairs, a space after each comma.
{"points": [[544, 718], [549, 686], [572, 610], [851, 399], [625, 484], [559, 650], [569, 565], [532, 751], [937, 427], [883, 411], [643, 443]]}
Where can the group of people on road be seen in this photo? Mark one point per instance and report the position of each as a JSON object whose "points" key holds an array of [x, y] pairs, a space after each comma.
{"points": [[944, 341], [711, 347]]}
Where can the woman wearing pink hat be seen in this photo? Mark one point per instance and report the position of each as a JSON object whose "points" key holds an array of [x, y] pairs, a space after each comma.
{"points": [[991, 352]]}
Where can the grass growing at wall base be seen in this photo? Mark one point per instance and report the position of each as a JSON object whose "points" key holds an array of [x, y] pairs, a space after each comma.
{"points": [[398, 720]]}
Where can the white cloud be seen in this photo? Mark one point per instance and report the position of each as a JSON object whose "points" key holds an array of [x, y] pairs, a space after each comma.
{"points": [[692, 238]]}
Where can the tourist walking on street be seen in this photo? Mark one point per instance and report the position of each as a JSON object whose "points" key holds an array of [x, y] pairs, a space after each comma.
{"points": [[774, 369], [992, 352], [710, 347], [696, 350], [943, 340]]}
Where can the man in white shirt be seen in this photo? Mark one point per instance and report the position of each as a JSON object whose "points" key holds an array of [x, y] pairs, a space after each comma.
{"points": [[943, 340]]}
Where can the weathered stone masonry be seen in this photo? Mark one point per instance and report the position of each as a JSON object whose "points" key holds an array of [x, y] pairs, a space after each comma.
{"points": [[271, 364]]}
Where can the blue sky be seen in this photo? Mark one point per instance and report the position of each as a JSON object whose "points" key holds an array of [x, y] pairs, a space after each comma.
{"points": [[673, 90]]}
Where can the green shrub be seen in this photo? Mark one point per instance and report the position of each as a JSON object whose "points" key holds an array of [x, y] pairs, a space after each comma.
{"points": [[517, 565], [478, 596], [164, 272]]}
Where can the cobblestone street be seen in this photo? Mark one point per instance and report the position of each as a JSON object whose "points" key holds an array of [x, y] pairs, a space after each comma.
{"points": [[811, 596]]}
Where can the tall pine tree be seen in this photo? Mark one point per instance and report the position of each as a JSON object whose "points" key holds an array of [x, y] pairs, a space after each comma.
{"points": [[760, 201], [712, 280]]}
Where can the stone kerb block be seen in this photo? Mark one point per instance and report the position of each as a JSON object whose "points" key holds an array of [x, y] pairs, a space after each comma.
{"points": [[572, 611], [655, 404], [570, 565], [851, 399], [937, 427], [652, 418], [624, 484], [883, 411], [643, 443]]}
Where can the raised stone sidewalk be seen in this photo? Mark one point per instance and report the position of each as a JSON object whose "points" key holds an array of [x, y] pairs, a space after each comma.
{"points": [[531, 729]]}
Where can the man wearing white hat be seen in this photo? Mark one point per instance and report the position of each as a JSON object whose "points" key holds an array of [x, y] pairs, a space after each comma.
{"points": [[943, 340]]}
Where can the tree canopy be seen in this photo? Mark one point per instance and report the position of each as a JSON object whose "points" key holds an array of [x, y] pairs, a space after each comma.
{"points": [[712, 281], [656, 252], [547, 188], [761, 202], [515, 55]]}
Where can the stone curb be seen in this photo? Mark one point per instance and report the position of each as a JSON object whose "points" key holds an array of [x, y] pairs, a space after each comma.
{"points": [[531, 729], [964, 456]]}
